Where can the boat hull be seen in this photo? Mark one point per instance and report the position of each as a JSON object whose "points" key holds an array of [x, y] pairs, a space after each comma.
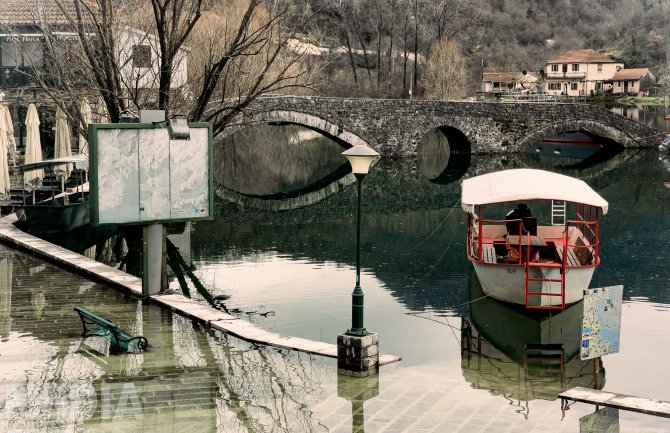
{"points": [[566, 145], [507, 283], [50, 218]]}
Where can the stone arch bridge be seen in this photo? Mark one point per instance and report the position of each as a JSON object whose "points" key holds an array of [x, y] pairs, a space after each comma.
{"points": [[394, 127]]}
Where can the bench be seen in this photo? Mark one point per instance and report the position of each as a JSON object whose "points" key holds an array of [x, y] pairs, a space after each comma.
{"points": [[120, 341], [573, 260], [620, 401]]}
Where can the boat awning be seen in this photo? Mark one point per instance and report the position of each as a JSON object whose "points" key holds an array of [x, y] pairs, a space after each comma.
{"points": [[80, 161], [527, 184]]}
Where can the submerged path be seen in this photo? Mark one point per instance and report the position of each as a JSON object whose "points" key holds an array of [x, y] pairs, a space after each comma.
{"points": [[213, 318]]}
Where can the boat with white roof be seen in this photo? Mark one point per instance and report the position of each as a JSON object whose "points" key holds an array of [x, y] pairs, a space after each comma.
{"points": [[541, 266]]}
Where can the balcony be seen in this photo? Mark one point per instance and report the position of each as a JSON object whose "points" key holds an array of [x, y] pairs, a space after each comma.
{"points": [[574, 75]]}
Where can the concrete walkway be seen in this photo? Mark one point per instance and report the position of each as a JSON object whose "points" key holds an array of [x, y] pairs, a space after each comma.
{"points": [[215, 319]]}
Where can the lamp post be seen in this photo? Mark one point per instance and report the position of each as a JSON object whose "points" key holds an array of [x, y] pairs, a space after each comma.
{"points": [[360, 157]]}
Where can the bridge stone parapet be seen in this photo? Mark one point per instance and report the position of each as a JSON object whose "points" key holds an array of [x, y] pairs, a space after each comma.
{"points": [[394, 127]]}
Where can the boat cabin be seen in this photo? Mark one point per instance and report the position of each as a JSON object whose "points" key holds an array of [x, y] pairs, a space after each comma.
{"points": [[543, 252]]}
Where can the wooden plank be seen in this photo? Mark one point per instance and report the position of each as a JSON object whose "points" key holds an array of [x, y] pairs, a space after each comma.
{"points": [[619, 401], [573, 260], [489, 253]]}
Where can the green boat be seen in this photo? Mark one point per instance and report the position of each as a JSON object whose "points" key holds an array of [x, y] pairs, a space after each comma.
{"points": [[64, 210]]}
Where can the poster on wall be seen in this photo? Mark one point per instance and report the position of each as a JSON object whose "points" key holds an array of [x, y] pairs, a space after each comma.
{"points": [[601, 325]]}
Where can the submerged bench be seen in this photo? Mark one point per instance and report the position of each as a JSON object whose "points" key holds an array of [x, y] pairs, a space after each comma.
{"points": [[619, 401], [120, 341]]}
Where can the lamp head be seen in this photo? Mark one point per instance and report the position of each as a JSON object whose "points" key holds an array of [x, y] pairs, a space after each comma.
{"points": [[360, 157], [178, 129]]}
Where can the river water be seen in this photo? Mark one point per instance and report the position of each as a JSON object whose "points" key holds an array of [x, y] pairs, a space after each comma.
{"points": [[285, 260]]}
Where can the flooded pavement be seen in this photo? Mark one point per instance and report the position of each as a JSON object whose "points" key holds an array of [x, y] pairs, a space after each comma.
{"points": [[191, 379], [465, 366]]}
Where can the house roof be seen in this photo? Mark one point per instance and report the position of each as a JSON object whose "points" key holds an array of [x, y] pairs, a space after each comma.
{"points": [[508, 77], [33, 12], [582, 56], [631, 74], [502, 77]]}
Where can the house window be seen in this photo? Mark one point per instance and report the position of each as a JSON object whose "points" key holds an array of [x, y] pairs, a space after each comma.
{"points": [[141, 56], [554, 68], [631, 84], [618, 83], [554, 86], [573, 86], [565, 68], [600, 67], [25, 53], [575, 67]]}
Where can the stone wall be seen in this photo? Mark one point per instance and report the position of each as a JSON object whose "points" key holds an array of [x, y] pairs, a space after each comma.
{"points": [[395, 127]]}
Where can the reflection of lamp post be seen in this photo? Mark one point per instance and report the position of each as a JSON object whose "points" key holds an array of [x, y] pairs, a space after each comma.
{"points": [[360, 157]]}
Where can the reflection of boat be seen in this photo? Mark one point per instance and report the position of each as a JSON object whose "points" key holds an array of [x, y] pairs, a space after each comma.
{"points": [[521, 354], [60, 212], [540, 266], [571, 144]]}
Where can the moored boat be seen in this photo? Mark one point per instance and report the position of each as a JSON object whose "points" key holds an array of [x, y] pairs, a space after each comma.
{"points": [[541, 266], [62, 211], [570, 144]]}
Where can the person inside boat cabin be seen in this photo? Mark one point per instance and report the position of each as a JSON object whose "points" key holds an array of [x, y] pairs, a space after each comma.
{"points": [[528, 225]]}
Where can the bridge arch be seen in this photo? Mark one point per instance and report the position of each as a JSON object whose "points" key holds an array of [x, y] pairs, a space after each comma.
{"points": [[324, 188], [612, 135], [331, 130], [443, 154]]}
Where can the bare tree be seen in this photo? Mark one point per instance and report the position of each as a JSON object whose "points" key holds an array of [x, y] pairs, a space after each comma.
{"points": [[446, 71], [237, 54]]}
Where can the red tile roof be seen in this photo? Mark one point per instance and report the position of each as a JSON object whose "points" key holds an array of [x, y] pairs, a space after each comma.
{"points": [[631, 74], [500, 77], [33, 12], [582, 56], [508, 77]]}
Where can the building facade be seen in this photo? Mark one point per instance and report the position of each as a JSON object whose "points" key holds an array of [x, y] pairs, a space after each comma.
{"points": [[580, 73]]}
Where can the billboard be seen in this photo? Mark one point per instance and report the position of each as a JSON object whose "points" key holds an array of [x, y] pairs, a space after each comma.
{"points": [[138, 174]]}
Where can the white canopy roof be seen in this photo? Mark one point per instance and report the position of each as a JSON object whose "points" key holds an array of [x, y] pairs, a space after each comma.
{"points": [[80, 161], [526, 184]]}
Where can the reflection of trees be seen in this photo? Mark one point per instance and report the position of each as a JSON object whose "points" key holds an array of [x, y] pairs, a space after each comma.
{"points": [[408, 219], [265, 389], [190, 379]]}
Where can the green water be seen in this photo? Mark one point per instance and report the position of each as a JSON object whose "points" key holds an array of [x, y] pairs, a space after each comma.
{"points": [[293, 272]]}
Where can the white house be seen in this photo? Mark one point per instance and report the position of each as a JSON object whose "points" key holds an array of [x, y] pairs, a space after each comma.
{"points": [[580, 72], [508, 82], [632, 81], [139, 58]]}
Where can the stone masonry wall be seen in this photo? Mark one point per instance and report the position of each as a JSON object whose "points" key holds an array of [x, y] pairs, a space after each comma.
{"points": [[395, 127]]}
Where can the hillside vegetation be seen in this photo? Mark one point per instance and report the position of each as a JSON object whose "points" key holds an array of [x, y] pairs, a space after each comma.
{"points": [[373, 43]]}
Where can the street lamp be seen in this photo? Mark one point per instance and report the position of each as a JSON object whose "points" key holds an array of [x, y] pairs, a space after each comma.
{"points": [[360, 157]]}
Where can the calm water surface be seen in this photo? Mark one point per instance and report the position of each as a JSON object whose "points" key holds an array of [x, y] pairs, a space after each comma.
{"points": [[292, 271]]}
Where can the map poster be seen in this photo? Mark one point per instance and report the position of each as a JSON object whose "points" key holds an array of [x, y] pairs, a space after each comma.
{"points": [[601, 325]]}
